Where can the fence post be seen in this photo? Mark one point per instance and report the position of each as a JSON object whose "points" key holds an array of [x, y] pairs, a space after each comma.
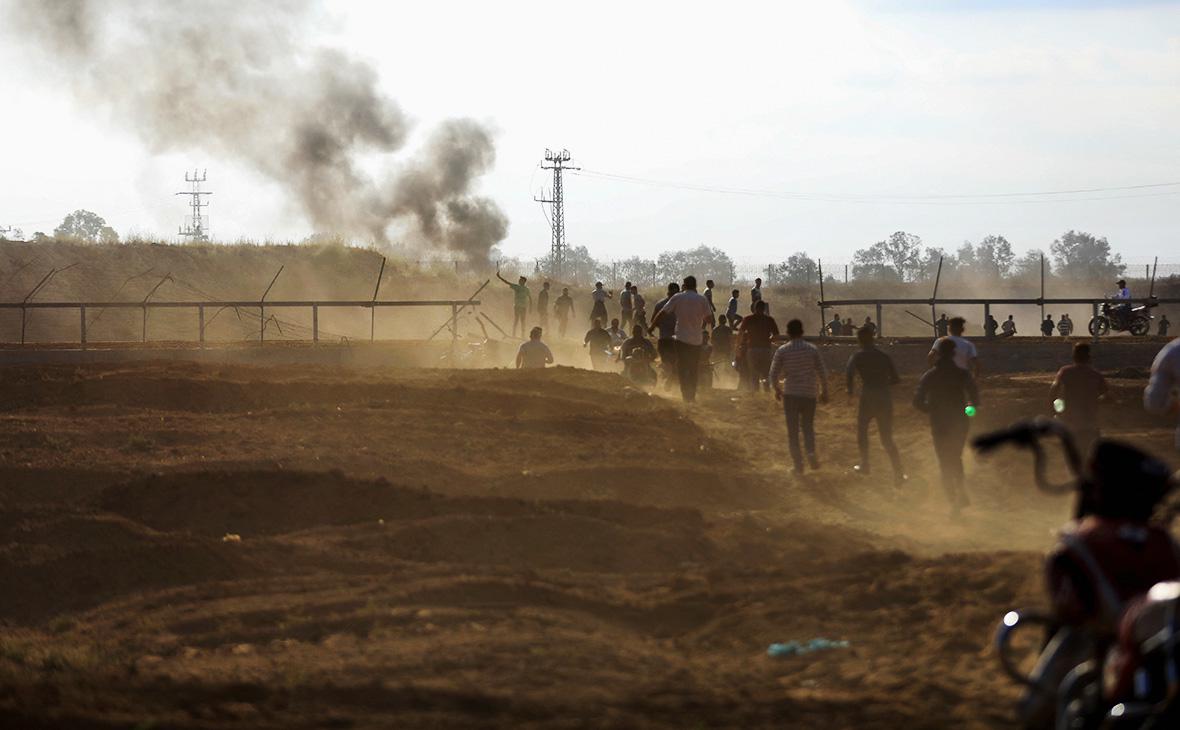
{"points": [[201, 324], [880, 321], [82, 324], [987, 313], [1094, 307], [143, 335], [23, 319], [315, 323]]}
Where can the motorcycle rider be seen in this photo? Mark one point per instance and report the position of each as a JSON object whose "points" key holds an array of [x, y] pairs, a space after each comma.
{"points": [[637, 353], [1110, 554]]}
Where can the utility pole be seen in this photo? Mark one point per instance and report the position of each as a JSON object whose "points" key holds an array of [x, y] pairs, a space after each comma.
{"points": [[196, 227], [556, 162]]}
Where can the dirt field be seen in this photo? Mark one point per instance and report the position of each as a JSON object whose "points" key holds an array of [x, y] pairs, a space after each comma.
{"points": [[490, 549]]}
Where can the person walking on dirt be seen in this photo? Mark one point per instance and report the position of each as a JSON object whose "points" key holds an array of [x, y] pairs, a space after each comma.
{"points": [[755, 293], [966, 356], [639, 305], [626, 308], [1164, 325], [666, 343], [944, 392], [598, 340], [690, 311], [941, 325], [712, 308], [1065, 325], [731, 310], [990, 327], [1074, 396], [877, 376], [794, 372], [521, 299], [1009, 327], [599, 296], [1047, 326], [543, 305], [534, 354], [563, 309], [755, 336], [1160, 395]]}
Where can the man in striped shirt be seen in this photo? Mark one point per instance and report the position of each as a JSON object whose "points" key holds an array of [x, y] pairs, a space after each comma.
{"points": [[794, 372]]}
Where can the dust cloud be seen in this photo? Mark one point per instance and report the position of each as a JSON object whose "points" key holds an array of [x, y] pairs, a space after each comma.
{"points": [[246, 81]]}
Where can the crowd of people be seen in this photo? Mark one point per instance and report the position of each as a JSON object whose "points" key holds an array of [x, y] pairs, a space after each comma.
{"points": [[691, 338]]}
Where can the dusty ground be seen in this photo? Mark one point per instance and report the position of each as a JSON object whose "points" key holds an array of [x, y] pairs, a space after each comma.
{"points": [[489, 548]]}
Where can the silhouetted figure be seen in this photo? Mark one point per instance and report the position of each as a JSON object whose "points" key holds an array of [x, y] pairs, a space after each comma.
{"points": [[990, 326], [534, 354], [755, 346], [543, 305], [626, 305], [794, 372], [1047, 326], [598, 340], [877, 375], [1009, 327], [1074, 396], [690, 311], [599, 297], [666, 342], [563, 308], [941, 325], [1164, 325], [944, 392], [521, 299]]}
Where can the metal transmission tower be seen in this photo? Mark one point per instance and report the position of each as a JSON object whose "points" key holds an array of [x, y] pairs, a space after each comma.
{"points": [[556, 162], [197, 225]]}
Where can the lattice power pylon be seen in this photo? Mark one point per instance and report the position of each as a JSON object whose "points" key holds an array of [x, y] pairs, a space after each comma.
{"points": [[556, 161], [196, 227]]}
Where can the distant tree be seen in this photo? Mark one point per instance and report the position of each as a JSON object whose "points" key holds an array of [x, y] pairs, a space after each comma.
{"points": [[579, 266], [703, 262], [897, 258], [798, 269], [968, 258], [995, 257], [9, 233], [1080, 255], [930, 259], [1029, 265], [639, 271], [82, 225]]}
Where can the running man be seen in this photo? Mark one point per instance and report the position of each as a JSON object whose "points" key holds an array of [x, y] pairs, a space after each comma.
{"points": [[1160, 396], [543, 305], [944, 392], [794, 372], [534, 354], [598, 340], [877, 375], [966, 356], [1078, 387], [666, 344], [626, 308], [599, 296], [690, 311], [521, 299], [755, 335], [563, 309]]}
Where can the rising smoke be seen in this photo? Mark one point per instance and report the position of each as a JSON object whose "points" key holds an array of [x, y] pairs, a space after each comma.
{"points": [[241, 80]]}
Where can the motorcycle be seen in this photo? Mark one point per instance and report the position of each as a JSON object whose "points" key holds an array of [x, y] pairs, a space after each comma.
{"points": [[1123, 318], [637, 366], [1132, 685]]}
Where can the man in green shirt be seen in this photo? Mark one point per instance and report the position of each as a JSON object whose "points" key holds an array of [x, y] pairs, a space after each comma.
{"points": [[522, 298]]}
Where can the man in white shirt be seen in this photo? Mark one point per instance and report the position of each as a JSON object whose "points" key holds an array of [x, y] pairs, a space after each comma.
{"points": [[534, 354], [691, 311], [1160, 395], [966, 356]]}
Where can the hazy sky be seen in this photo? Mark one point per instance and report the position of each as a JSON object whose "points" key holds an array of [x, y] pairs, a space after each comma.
{"points": [[854, 108]]}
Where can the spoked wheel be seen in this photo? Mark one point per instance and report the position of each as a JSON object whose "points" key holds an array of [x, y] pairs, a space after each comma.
{"points": [[1140, 326], [1099, 326]]}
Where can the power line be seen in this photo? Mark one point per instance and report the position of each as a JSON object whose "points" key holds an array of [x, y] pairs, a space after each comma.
{"points": [[1005, 198]]}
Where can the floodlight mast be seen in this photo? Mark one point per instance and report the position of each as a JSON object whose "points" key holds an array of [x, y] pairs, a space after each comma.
{"points": [[197, 226], [557, 162]]}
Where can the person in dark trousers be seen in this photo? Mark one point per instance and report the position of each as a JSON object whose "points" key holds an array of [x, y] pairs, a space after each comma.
{"points": [[598, 340], [599, 296], [868, 325], [731, 310], [836, 326], [712, 307], [637, 354], [1047, 326], [794, 372], [877, 375], [755, 343], [944, 392], [521, 299], [1164, 325], [723, 340], [543, 305], [626, 305], [690, 311], [990, 327], [563, 307], [666, 342]]}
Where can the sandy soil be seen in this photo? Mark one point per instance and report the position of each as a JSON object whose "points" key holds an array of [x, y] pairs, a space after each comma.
{"points": [[490, 548]]}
